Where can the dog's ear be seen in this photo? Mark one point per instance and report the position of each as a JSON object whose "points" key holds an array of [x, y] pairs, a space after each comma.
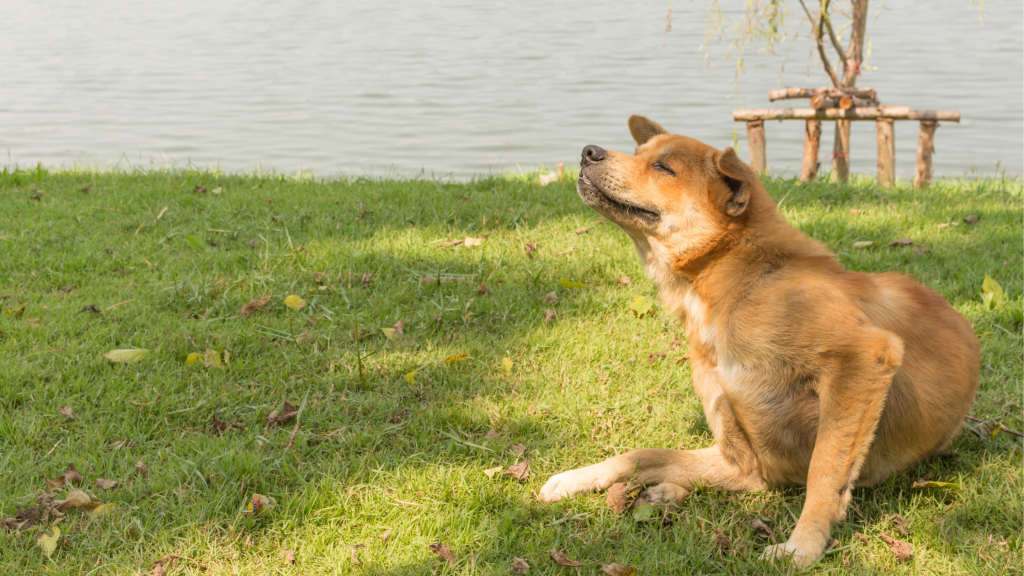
{"points": [[643, 128], [737, 178]]}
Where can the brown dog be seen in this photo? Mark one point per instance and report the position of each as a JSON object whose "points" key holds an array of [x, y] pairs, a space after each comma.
{"points": [[809, 374]]}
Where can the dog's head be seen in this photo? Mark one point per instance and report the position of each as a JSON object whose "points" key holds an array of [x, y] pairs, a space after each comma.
{"points": [[674, 195]]}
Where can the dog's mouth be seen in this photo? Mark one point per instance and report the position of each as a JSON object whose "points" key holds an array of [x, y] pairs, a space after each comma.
{"points": [[598, 199]]}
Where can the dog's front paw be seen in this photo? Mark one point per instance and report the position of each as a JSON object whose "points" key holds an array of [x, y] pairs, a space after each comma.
{"points": [[566, 485], [792, 552]]}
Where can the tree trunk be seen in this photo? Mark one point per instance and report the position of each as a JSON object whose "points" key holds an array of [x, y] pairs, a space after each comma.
{"points": [[854, 55], [925, 148], [756, 144], [812, 138], [841, 152], [886, 152]]}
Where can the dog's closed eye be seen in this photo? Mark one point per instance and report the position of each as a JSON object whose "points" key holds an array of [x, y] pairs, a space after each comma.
{"points": [[663, 168]]}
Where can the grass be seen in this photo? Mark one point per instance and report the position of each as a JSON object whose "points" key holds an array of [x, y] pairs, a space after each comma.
{"points": [[391, 437]]}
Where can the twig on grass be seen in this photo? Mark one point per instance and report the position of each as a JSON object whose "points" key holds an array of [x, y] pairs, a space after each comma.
{"points": [[1001, 427]]}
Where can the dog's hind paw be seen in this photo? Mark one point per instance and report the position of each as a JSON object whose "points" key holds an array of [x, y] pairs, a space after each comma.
{"points": [[791, 552], [567, 485], [665, 493]]}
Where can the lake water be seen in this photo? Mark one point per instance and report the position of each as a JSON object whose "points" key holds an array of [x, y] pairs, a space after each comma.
{"points": [[453, 87]]}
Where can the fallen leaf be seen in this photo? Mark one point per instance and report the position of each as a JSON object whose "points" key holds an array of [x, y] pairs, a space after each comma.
{"points": [[411, 377], [121, 444], [583, 230], [141, 469], [470, 241], [559, 556], [398, 416], [55, 484], [450, 244], [399, 328], [854, 211], [900, 523], [9, 524], [71, 474], [530, 248], [90, 308], [199, 188], [211, 359], [289, 557], [722, 541], [922, 483], [490, 472], [16, 312], [519, 566], [644, 510], [294, 302], [507, 364], [446, 554], [218, 425], [103, 510], [550, 298], [863, 244], [390, 333], [217, 190], [862, 538], [47, 540], [653, 357], [571, 283], [972, 219], [901, 242], [286, 413], [491, 434], [259, 504], [624, 280], [355, 553], [549, 315], [74, 499], [454, 359], [520, 471], [682, 358], [947, 224], [127, 355], [991, 293], [384, 537], [67, 289], [517, 449], [763, 530], [618, 569], [193, 357], [33, 322], [922, 251], [641, 305], [254, 305], [28, 516], [67, 412], [900, 549], [481, 289]]}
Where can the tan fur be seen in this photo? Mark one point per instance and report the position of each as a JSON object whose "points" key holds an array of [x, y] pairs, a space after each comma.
{"points": [[808, 373]]}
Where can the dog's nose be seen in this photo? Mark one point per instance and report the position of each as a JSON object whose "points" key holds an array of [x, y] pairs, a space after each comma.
{"points": [[592, 154]]}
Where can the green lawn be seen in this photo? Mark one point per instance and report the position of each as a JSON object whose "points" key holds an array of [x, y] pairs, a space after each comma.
{"points": [[391, 438]]}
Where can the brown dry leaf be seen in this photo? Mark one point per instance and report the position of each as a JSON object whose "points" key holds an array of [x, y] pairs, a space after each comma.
{"points": [[255, 305], [71, 474], [9, 524], [722, 541], [55, 484], [200, 188], [399, 328], [550, 298], [384, 537], [446, 554], [33, 322], [28, 517], [520, 471], [90, 308], [398, 416], [559, 556], [618, 497], [286, 413], [104, 484], [141, 469], [618, 569], [121, 444], [481, 289], [517, 449], [491, 434], [519, 566], [67, 289], [675, 343], [922, 251], [530, 249], [653, 357], [900, 523], [367, 278], [863, 539], [289, 557], [763, 530], [355, 553], [901, 242], [67, 412], [854, 211], [682, 358], [549, 315], [902, 550], [583, 230], [75, 499], [219, 425], [972, 219]]}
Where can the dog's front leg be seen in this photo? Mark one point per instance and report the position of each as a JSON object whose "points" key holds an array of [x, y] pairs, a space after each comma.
{"points": [[681, 468], [851, 404]]}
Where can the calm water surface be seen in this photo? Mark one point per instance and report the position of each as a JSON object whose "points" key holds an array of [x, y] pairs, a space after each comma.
{"points": [[452, 87]]}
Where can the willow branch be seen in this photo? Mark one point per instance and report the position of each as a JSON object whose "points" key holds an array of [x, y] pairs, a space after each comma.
{"points": [[821, 44], [832, 34]]}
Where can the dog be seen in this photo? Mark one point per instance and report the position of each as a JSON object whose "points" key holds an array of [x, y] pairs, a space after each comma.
{"points": [[809, 374]]}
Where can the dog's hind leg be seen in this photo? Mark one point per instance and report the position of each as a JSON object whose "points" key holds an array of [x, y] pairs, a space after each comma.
{"points": [[682, 468]]}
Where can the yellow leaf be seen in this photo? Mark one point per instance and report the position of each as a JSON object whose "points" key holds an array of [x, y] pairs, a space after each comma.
{"points": [[227, 356], [470, 241], [863, 244], [47, 540], [930, 484], [451, 359], [16, 311], [294, 302], [103, 510], [641, 305], [212, 359], [411, 377], [991, 293], [571, 283], [492, 471], [127, 355], [507, 364], [391, 333], [193, 358]]}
